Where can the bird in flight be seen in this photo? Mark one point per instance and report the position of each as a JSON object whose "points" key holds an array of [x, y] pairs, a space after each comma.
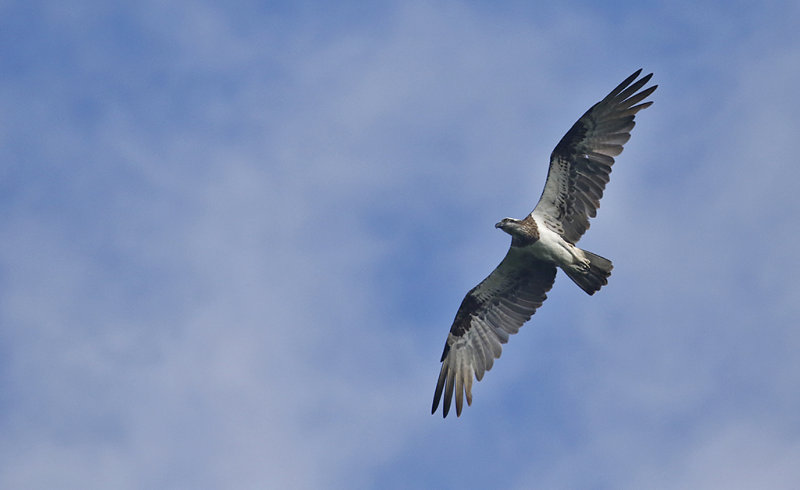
{"points": [[580, 166]]}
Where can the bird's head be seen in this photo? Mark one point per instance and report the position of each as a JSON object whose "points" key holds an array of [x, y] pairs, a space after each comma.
{"points": [[509, 225], [523, 231]]}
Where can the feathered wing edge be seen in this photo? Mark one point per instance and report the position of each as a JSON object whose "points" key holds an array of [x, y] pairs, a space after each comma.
{"points": [[580, 165], [490, 312]]}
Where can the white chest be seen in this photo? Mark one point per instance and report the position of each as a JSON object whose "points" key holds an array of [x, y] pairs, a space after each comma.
{"points": [[552, 248]]}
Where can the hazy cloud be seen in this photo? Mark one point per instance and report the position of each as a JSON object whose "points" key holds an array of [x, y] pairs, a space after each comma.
{"points": [[233, 239]]}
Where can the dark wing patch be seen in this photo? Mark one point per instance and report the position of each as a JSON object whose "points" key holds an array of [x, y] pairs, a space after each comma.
{"points": [[580, 165], [491, 311]]}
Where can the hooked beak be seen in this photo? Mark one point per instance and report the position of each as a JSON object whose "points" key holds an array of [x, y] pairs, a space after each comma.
{"points": [[499, 224]]}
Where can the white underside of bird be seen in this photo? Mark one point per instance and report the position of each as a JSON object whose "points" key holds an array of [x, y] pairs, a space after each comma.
{"points": [[551, 247]]}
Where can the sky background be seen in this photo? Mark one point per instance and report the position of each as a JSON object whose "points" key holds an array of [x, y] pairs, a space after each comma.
{"points": [[233, 237]]}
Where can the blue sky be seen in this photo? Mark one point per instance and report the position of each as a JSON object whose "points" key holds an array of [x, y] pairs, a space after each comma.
{"points": [[233, 236]]}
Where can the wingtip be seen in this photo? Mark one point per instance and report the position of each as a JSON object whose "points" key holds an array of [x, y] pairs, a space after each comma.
{"points": [[626, 85], [628, 80], [635, 76], [437, 393], [640, 70]]}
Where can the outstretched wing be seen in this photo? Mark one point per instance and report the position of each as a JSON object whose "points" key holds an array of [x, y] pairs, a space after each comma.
{"points": [[491, 311], [580, 165]]}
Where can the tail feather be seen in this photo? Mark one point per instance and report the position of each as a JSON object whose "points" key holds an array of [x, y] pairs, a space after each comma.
{"points": [[597, 275]]}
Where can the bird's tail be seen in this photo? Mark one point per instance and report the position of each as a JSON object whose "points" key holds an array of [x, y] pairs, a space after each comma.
{"points": [[597, 275]]}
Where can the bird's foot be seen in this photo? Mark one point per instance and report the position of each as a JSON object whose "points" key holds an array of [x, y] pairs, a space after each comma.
{"points": [[583, 266]]}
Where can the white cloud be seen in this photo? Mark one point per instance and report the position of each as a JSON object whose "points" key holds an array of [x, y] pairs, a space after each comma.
{"points": [[231, 263]]}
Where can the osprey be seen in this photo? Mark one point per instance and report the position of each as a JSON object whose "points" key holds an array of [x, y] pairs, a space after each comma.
{"points": [[580, 166]]}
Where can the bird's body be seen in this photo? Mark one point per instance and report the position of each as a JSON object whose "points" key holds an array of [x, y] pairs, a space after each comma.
{"points": [[544, 240], [545, 245]]}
